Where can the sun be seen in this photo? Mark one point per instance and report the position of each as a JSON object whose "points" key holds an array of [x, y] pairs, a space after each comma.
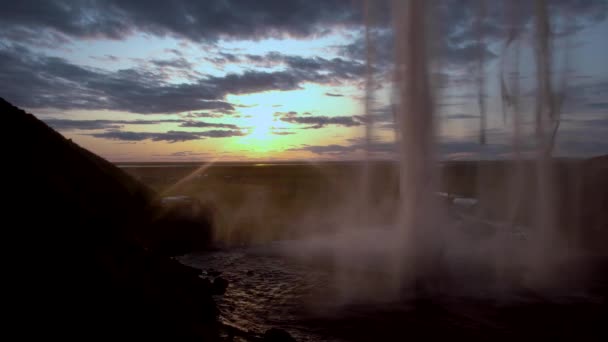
{"points": [[260, 126]]}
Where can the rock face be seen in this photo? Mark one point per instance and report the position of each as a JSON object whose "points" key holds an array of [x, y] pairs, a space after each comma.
{"points": [[84, 251], [219, 286], [277, 335]]}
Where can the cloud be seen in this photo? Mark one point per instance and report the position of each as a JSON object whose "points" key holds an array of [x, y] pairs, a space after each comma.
{"points": [[461, 116], [186, 154], [170, 136], [281, 131], [383, 114], [191, 19], [68, 125], [325, 149], [178, 63], [314, 69], [316, 122], [598, 105], [456, 43], [106, 58], [203, 124], [36, 81], [576, 138], [254, 81], [204, 115], [334, 95], [586, 96], [175, 52], [53, 21], [446, 149], [221, 134]]}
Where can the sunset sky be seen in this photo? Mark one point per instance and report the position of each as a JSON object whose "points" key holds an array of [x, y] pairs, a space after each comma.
{"points": [[278, 80]]}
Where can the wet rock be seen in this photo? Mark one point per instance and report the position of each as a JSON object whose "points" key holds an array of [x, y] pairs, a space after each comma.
{"points": [[277, 335], [219, 286], [213, 273]]}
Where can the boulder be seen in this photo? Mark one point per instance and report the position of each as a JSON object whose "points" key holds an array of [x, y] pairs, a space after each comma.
{"points": [[219, 286], [277, 335]]}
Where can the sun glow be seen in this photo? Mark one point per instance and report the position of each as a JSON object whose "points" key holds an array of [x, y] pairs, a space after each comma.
{"points": [[259, 123]]}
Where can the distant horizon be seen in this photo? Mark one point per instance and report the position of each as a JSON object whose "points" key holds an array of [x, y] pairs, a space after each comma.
{"points": [[329, 161]]}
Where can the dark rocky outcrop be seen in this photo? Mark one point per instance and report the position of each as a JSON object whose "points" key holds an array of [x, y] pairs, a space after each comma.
{"points": [[86, 246], [219, 286], [277, 335]]}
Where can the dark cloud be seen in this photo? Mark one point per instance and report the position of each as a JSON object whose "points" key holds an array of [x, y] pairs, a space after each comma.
{"points": [[175, 52], [325, 149], [223, 58], [454, 52], [53, 21], [36, 81], [451, 104], [456, 41], [586, 96], [191, 19], [221, 134], [184, 154], [281, 131], [383, 114], [337, 68], [576, 138], [106, 58], [316, 122], [314, 69], [203, 124], [68, 125], [460, 116], [598, 105], [254, 81], [178, 63], [446, 149], [281, 114], [170, 136], [204, 115]]}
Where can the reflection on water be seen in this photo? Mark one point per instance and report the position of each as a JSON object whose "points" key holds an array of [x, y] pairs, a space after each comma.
{"points": [[266, 290]]}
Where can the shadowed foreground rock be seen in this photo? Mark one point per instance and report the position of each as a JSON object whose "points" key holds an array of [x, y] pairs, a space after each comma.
{"points": [[277, 335], [87, 248]]}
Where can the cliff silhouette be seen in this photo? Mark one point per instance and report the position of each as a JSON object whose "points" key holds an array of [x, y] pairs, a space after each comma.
{"points": [[88, 246]]}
